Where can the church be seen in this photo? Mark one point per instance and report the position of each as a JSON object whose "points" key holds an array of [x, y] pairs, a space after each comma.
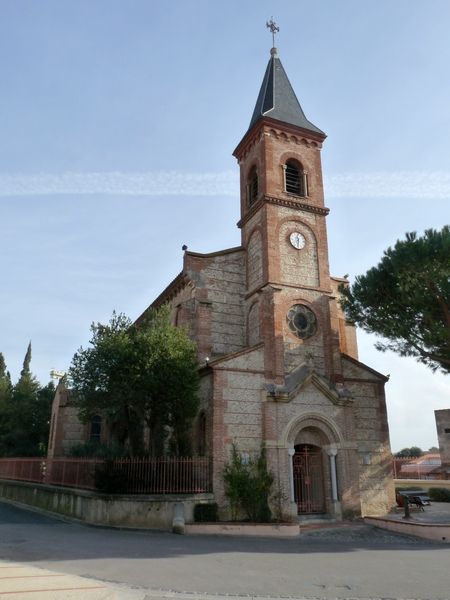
{"points": [[278, 361]]}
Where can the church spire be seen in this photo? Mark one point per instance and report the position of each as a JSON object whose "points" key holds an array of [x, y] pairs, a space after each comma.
{"points": [[277, 99]]}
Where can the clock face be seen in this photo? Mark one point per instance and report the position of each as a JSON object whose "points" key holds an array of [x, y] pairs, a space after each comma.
{"points": [[297, 240]]}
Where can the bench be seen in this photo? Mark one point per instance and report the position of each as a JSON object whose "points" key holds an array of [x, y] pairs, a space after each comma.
{"points": [[419, 498], [420, 501]]}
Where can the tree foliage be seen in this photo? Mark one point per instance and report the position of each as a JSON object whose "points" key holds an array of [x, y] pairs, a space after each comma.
{"points": [[133, 375], [25, 409], [406, 299], [413, 452]]}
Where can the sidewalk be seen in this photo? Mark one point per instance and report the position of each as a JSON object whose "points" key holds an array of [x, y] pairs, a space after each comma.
{"points": [[25, 582], [433, 523], [437, 513]]}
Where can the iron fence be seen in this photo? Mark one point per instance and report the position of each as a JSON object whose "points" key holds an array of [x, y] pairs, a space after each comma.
{"points": [[411, 468], [165, 475]]}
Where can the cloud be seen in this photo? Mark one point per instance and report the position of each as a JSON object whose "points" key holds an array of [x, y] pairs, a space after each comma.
{"points": [[164, 183], [402, 184]]}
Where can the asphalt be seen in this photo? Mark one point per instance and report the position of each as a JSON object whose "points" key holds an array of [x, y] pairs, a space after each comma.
{"points": [[59, 560]]}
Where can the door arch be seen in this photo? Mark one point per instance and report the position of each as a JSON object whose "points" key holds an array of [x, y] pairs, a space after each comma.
{"points": [[309, 488]]}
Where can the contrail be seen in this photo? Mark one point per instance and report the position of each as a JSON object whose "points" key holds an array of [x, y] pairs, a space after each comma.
{"points": [[401, 184]]}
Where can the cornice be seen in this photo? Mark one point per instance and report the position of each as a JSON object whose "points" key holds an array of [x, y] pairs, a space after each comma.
{"points": [[318, 210], [287, 202], [292, 133], [171, 291]]}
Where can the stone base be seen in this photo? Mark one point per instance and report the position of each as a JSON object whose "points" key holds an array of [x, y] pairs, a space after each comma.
{"points": [[244, 529]]}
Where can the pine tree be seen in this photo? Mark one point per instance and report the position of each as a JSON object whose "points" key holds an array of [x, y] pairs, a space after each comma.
{"points": [[5, 381], [5, 405]]}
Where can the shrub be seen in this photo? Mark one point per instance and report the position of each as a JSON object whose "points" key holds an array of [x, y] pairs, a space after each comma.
{"points": [[204, 513], [110, 478], [439, 494], [247, 487]]}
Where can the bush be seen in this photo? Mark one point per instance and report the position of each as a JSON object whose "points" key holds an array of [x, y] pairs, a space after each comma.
{"points": [[205, 513], [110, 478], [439, 494], [98, 450], [247, 487]]}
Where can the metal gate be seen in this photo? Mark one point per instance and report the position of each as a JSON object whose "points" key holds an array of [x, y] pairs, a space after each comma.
{"points": [[308, 479]]}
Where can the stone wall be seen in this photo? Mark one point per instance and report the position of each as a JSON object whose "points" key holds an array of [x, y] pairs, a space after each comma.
{"points": [[66, 429], [443, 432], [371, 436], [298, 267], [218, 317], [143, 512], [237, 412]]}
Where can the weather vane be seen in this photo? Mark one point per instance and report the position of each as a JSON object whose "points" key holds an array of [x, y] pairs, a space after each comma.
{"points": [[273, 28]]}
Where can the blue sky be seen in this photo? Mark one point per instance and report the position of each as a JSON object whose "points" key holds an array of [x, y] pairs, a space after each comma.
{"points": [[117, 125]]}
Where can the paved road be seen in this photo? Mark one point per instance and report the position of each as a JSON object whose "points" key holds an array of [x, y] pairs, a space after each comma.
{"points": [[354, 562]]}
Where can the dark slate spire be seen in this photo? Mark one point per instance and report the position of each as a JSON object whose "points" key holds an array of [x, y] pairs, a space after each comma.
{"points": [[277, 99]]}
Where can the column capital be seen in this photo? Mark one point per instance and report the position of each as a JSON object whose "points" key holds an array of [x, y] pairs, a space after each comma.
{"points": [[332, 451], [291, 451]]}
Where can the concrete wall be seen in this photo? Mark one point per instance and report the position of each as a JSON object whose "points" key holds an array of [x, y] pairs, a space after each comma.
{"points": [[142, 512], [429, 531], [424, 484]]}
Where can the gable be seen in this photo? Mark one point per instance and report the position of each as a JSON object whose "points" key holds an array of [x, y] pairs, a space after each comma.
{"points": [[304, 376], [354, 369], [250, 359]]}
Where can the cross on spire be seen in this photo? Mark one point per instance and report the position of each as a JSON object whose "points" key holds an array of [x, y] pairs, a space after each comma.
{"points": [[273, 28]]}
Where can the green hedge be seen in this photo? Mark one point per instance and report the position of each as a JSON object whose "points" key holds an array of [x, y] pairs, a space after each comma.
{"points": [[439, 494], [205, 513]]}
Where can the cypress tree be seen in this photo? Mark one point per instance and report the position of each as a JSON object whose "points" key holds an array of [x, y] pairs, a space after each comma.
{"points": [[25, 372]]}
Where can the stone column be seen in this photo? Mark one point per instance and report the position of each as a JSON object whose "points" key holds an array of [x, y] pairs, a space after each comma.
{"points": [[332, 456], [332, 452], [293, 503], [291, 452]]}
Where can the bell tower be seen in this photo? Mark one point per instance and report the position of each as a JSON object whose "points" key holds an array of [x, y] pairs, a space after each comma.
{"points": [[283, 230]]}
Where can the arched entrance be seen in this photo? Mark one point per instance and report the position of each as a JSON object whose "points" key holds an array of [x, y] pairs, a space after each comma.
{"points": [[308, 474]]}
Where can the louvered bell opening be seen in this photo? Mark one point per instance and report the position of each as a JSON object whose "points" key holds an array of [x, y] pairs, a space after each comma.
{"points": [[253, 188], [294, 180]]}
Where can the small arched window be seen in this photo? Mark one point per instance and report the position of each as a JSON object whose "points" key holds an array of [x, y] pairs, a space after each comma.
{"points": [[252, 187], [96, 429], [295, 180]]}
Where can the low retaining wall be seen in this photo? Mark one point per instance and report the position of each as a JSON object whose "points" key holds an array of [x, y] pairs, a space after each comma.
{"points": [[425, 484], [245, 529], [142, 512], [429, 531]]}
